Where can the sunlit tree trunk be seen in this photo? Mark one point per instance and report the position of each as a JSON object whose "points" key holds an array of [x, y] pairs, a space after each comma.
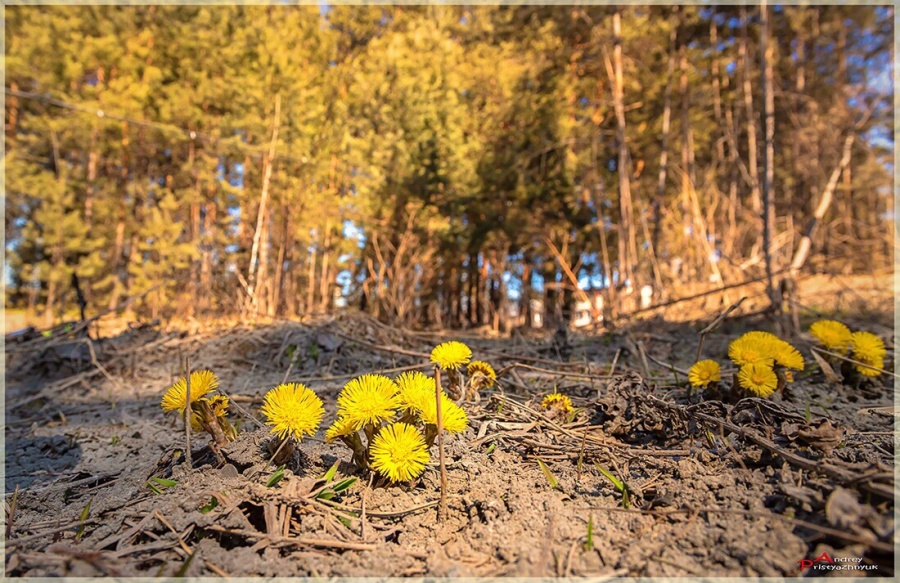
{"points": [[768, 185], [627, 238]]}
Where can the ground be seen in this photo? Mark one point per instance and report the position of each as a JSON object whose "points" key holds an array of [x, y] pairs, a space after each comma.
{"points": [[717, 486]]}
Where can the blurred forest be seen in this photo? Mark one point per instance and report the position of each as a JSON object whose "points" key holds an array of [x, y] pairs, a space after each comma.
{"points": [[438, 166]]}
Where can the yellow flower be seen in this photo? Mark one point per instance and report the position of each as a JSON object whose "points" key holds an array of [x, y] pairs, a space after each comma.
{"points": [[704, 372], [417, 395], [833, 335], [873, 370], [340, 428], [292, 410], [753, 347], [368, 399], [453, 416], [399, 452], [451, 355], [202, 382], [867, 347], [415, 388], [758, 378], [786, 355], [478, 368], [219, 405], [557, 401]]}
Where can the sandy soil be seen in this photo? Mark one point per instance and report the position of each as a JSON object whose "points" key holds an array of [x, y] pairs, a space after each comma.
{"points": [[716, 487]]}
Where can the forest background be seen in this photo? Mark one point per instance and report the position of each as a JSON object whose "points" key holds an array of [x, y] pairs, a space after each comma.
{"points": [[438, 166]]}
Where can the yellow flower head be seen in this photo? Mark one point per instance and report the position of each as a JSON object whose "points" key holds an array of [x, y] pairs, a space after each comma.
{"points": [[704, 372], [786, 355], [561, 403], [483, 372], [833, 335], [399, 452], [340, 428], [758, 378], [867, 347], [753, 347], [202, 382], [415, 388], [368, 399], [219, 405], [453, 416], [451, 355], [292, 410], [873, 370]]}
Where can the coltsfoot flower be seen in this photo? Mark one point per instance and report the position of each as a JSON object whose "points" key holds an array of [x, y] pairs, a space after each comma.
{"points": [[451, 355], [867, 346], [758, 378], [868, 349], [482, 374], [753, 347], [340, 428], [368, 400], [557, 402], [414, 389], [704, 372], [292, 410], [786, 355], [833, 335], [399, 452], [202, 383], [453, 416]]}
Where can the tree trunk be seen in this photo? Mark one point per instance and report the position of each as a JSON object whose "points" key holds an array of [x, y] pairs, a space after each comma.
{"points": [[752, 163], [686, 141], [256, 269], [324, 283], [768, 194], [279, 266], [660, 201], [627, 238]]}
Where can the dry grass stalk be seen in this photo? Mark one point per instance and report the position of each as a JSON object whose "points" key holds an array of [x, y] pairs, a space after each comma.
{"points": [[187, 412], [442, 510]]}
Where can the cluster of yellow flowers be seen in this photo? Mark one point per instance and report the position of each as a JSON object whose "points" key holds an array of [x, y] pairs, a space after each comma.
{"points": [[398, 417], [765, 363], [864, 347]]}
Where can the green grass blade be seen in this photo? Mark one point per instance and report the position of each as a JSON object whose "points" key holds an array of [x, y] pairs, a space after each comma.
{"points": [[332, 471], [213, 502], [344, 484], [85, 512], [589, 543], [609, 476], [554, 483], [276, 477]]}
